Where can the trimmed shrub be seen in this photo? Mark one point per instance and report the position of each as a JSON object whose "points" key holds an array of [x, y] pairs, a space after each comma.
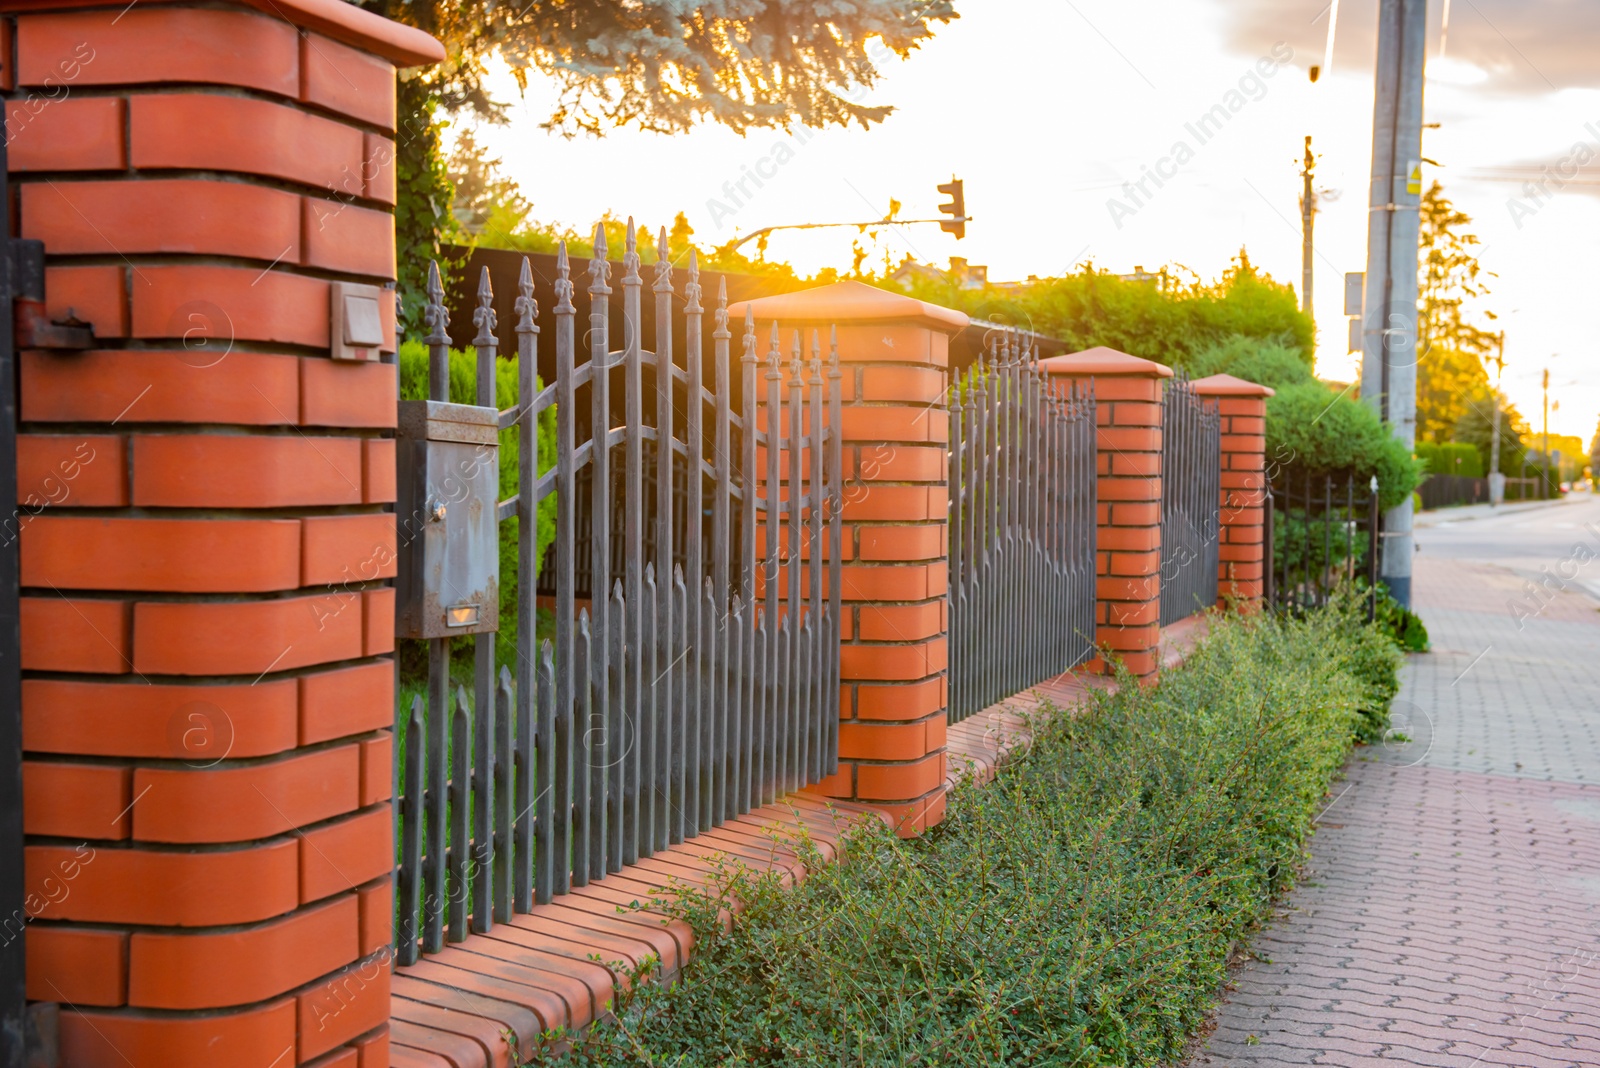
{"points": [[1273, 362], [1312, 431], [1080, 910]]}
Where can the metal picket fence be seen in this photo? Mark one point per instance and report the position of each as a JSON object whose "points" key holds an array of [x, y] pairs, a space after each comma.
{"points": [[1320, 533], [701, 681], [1191, 501], [1022, 528]]}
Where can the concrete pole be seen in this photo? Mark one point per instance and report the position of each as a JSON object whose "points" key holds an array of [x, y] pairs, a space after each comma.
{"points": [[1389, 334], [1497, 481], [1308, 219]]}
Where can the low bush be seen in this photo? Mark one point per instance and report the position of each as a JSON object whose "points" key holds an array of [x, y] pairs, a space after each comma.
{"points": [[1312, 432], [1080, 910]]}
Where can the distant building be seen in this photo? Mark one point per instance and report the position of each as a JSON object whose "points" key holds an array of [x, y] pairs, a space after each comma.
{"points": [[1141, 275], [961, 274]]}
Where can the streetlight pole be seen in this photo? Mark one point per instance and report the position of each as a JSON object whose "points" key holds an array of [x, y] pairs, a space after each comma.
{"points": [[1497, 481], [1389, 331], [1544, 480]]}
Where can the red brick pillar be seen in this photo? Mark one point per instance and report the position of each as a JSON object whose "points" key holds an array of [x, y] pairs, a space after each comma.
{"points": [[207, 621], [1127, 393], [1244, 426], [893, 352]]}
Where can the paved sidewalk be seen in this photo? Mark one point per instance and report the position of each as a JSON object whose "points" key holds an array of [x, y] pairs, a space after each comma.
{"points": [[1451, 911]]}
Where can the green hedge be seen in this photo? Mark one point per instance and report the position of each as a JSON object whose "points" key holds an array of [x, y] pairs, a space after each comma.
{"points": [[1311, 430], [1080, 910], [1451, 458]]}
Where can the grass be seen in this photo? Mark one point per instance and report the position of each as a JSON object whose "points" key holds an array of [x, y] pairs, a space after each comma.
{"points": [[1080, 910]]}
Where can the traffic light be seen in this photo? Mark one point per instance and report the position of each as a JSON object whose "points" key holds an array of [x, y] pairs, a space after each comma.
{"points": [[957, 208]]}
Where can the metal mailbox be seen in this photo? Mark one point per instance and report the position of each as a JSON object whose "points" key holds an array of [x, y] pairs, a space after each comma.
{"points": [[448, 457]]}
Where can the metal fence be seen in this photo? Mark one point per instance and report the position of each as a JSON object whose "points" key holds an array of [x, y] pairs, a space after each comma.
{"points": [[1442, 491], [1191, 501], [697, 684], [1022, 528], [1320, 533]]}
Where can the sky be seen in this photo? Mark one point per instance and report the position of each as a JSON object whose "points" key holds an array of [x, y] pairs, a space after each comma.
{"points": [[1052, 110]]}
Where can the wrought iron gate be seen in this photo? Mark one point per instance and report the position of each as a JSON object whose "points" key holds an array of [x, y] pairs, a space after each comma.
{"points": [[694, 685], [1022, 528], [1191, 501]]}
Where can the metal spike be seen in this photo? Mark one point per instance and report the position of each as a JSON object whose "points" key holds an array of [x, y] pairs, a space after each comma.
{"points": [[663, 282], [721, 314], [526, 307], [483, 316], [691, 291], [796, 364], [816, 358], [630, 257], [435, 315], [563, 284], [599, 267]]}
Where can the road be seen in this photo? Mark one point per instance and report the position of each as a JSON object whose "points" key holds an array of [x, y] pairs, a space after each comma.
{"points": [[1450, 911]]}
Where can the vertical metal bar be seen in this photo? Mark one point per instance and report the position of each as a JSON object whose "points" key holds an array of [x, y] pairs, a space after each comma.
{"points": [[651, 664], [793, 606], [460, 807], [518, 825], [617, 735], [726, 801], [957, 621], [584, 830], [749, 482], [631, 640], [658, 740], [437, 892], [774, 437], [697, 760], [835, 544], [816, 669], [480, 777], [682, 739], [505, 772], [411, 820], [600, 595], [557, 840]]}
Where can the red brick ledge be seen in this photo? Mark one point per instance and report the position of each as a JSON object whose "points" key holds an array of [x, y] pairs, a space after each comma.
{"points": [[485, 1002], [983, 744]]}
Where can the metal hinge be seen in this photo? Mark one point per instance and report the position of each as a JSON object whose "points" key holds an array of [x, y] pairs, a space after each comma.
{"points": [[31, 325]]}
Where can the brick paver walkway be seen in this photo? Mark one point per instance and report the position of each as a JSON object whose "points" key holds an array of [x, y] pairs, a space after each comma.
{"points": [[1450, 914]]}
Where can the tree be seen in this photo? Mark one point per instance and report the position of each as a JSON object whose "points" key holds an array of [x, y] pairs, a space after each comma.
{"points": [[1450, 278], [660, 65], [1449, 381]]}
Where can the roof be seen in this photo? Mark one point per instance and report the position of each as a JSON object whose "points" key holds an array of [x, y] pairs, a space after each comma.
{"points": [[1101, 360]]}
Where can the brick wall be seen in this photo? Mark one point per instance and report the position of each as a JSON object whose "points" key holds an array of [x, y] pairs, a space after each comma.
{"points": [[207, 622], [1243, 406], [894, 574], [1127, 393]]}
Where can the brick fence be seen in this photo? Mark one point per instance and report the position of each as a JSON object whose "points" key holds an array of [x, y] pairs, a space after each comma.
{"points": [[206, 619]]}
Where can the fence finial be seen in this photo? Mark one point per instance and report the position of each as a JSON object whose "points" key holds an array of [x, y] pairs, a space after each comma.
{"points": [[691, 289], [630, 257], [774, 353], [435, 315], [663, 282], [599, 268], [563, 285], [721, 314], [750, 340], [816, 358], [796, 363], [483, 316], [527, 308]]}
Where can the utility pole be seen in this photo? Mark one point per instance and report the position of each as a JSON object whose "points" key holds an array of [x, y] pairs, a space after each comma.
{"points": [[1308, 215], [1544, 482], [1389, 330], [1497, 481]]}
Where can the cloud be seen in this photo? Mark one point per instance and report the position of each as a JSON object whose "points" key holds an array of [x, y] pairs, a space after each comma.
{"points": [[1525, 48]]}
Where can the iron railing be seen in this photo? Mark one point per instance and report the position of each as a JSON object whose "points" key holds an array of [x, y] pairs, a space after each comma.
{"points": [[1191, 501], [1022, 528], [1319, 534], [695, 686]]}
